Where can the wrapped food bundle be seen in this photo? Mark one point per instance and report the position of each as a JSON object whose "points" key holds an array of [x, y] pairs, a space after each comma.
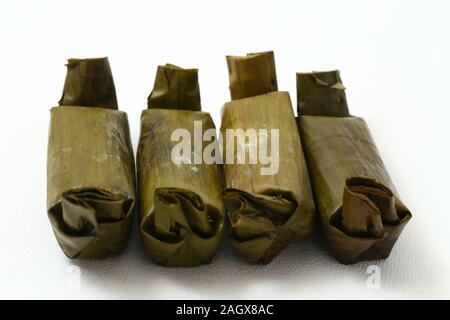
{"points": [[269, 199], [361, 213], [181, 210], [90, 165]]}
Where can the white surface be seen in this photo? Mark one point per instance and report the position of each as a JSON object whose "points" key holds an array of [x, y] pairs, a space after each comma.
{"points": [[394, 59]]}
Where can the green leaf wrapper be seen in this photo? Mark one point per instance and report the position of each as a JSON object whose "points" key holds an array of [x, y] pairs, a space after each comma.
{"points": [[90, 166], [322, 93], [89, 83], [252, 75], [175, 88], [181, 210], [361, 213], [266, 212]]}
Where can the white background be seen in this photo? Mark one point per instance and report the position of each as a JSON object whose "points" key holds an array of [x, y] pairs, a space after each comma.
{"points": [[394, 61]]}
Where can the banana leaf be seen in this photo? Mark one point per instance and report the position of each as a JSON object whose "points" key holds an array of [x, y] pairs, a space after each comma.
{"points": [[318, 97], [171, 79], [181, 210], [361, 213], [89, 83], [252, 75], [90, 165], [266, 212]]}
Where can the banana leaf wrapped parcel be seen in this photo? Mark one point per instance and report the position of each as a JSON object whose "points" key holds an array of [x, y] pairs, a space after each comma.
{"points": [[270, 203], [181, 209], [90, 166], [361, 213]]}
